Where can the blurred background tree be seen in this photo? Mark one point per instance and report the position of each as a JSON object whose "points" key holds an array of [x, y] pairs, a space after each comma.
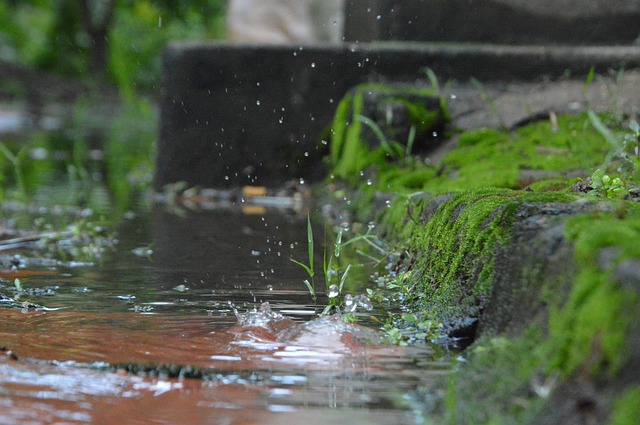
{"points": [[103, 41]]}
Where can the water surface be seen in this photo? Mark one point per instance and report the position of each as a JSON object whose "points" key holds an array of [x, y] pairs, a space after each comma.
{"points": [[167, 294]]}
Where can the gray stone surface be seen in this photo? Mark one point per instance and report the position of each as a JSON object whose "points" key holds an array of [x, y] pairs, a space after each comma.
{"points": [[233, 115], [496, 21]]}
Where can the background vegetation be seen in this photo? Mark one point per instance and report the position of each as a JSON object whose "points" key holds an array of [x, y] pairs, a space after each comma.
{"points": [[109, 51]]}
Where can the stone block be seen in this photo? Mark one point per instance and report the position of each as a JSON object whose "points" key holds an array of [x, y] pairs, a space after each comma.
{"points": [[576, 22], [235, 115]]}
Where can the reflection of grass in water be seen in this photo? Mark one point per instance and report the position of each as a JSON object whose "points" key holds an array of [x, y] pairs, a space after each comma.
{"points": [[16, 162], [65, 169]]}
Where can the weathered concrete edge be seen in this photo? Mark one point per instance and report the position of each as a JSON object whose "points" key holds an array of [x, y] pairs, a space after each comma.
{"points": [[538, 257]]}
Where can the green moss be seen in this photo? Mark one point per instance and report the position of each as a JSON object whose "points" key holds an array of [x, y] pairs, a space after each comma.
{"points": [[455, 249], [494, 384], [586, 334], [588, 330], [626, 410], [491, 158]]}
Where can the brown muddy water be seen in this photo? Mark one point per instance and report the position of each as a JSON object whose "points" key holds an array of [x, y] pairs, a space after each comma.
{"points": [[177, 307]]}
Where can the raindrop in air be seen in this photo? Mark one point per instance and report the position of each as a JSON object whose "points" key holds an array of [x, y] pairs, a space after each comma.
{"points": [[333, 291], [349, 305], [364, 302]]}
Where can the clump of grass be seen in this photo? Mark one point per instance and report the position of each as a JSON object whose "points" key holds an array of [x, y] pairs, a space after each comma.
{"points": [[335, 275], [334, 278]]}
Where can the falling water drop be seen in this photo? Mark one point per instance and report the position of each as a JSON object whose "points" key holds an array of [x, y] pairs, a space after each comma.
{"points": [[333, 291], [364, 302], [349, 305]]}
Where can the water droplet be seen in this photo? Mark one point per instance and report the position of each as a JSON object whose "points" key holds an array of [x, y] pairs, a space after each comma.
{"points": [[313, 64], [434, 134], [349, 305], [226, 177], [258, 102], [301, 181], [255, 253], [269, 287], [371, 225], [453, 96], [364, 302], [306, 154], [378, 17], [369, 182], [333, 291]]}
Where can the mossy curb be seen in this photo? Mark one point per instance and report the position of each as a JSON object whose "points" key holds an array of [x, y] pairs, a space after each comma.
{"points": [[555, 333], [538, 278]]}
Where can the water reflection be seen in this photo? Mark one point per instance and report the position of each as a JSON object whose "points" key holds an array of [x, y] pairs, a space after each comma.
{"points": [[178, 308]]}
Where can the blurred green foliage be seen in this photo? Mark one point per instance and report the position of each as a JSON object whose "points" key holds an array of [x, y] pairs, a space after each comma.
{"points": [[116, 41], [102, 44]]}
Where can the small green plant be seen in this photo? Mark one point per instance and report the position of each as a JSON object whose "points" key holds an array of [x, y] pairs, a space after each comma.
{"points": [[311, 284], [391, 148], [334, 275], [604, 185]]}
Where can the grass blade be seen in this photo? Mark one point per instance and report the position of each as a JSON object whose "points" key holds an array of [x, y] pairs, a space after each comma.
{"points": [[310, 243], [343, 278]]}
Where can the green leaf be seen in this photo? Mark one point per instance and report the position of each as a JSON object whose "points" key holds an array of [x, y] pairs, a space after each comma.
{"points": [[312, 290], [310, 243], [338, 245], [304, 266], [343, 278]]}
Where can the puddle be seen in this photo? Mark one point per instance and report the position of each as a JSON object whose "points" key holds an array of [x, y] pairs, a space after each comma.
{"points": [[270, 364]]}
